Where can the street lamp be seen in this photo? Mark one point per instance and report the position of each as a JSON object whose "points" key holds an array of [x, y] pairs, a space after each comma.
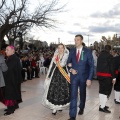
{"points": [[88, 40], [58, 40]]}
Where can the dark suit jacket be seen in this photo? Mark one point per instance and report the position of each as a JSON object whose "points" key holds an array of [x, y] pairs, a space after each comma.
{"points": [[85, 66]]}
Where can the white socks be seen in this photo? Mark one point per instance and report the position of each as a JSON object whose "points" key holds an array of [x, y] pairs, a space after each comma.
{"points": [[54, 111], [103, 100], [117, 96]]}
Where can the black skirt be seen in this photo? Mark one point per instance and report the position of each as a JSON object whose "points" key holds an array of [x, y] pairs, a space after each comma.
{"points": [[59, 89], [105, 86]]}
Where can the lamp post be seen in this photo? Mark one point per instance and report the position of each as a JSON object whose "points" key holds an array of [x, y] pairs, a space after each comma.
{"points": [[58, 40], [20, 39], [88, 40]]}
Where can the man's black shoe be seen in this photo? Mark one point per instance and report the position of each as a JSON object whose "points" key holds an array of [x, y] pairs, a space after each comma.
{"points": [[60, 110], [72, 118], [80, 112], [8, 113], [16, 106], [116, 102], [106, 107], [104, 110], [37, 77]]}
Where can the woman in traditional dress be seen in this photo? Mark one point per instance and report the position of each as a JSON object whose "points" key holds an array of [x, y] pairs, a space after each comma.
{"points": [[57, 92]]}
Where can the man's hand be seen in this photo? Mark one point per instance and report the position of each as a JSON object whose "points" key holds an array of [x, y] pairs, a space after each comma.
{"points": [[74, 72], [88, 82]]}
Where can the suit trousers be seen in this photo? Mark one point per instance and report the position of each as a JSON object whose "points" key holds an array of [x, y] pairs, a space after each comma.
{"points": [[75, 84]]}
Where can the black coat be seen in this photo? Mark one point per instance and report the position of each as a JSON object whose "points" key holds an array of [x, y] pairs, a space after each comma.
{"points": [[13, 78], [105, 64]]}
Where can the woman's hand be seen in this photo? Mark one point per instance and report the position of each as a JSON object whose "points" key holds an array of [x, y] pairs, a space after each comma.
{"points": [[73, 71]]}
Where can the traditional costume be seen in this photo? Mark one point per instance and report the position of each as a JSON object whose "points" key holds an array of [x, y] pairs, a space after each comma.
{"points": [[117, 84], [105, 75], [57, 92]]}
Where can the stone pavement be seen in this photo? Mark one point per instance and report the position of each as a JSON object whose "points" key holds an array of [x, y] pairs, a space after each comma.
{"points": [[32, 109]]}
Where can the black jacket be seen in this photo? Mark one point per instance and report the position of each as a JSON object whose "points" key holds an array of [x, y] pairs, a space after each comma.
{"points": [[105, 65]]}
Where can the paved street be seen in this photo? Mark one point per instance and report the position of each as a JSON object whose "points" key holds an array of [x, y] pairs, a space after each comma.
{"points": [[32, 109]]}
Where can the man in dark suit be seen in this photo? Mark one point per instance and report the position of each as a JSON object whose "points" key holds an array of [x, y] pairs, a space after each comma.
{"points": [[81, 69]]}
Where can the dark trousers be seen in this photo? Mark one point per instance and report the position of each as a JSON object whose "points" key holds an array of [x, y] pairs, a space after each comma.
{"points": [[29, 73], [36, 71], [74, 96], [23, 74]]}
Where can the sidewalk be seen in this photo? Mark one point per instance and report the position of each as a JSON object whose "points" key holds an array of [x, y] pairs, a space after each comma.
{"points": [[32, 109]]}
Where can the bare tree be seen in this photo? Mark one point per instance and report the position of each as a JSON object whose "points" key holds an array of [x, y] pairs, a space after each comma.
{"points": [[2, 3], [16, 15], [16, 32]]}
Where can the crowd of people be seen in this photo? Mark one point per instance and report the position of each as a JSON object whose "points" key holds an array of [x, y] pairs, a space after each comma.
{"points": [[69, 73], [32, 61], [15, 68]]}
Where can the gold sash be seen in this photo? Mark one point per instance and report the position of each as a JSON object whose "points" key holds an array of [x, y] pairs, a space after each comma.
{"points": [[62, 70]]}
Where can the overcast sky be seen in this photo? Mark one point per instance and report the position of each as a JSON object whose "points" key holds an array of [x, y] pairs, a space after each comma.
{"points": [[87, 17]]}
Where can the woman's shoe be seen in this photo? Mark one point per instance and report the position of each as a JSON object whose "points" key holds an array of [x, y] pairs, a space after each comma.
{"points": [[54, 112]]}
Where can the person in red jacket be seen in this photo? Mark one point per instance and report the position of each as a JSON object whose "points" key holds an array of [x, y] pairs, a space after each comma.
{"points": [[35, 67]]}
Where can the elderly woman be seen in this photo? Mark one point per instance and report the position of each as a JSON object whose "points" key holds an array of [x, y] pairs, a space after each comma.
{"points": [[57, 92]]}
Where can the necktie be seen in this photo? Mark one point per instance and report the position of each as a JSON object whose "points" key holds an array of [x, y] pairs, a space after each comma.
{"points": [[77, 56]]}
